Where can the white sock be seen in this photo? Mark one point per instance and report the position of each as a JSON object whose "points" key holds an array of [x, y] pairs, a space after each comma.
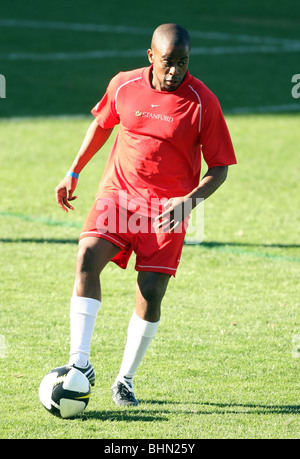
{"points": [[83, 314], [139, 336]]}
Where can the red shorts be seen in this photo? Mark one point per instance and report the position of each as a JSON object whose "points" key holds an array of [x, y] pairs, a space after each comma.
{"points": [[155, 251]]}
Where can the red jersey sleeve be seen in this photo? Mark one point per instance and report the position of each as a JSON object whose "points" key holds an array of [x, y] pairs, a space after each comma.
{"points": [[215, 139], [105, 111]]}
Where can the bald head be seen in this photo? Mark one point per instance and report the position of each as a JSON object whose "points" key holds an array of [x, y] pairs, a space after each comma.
{"points": [[169, 56], [173, 35]]}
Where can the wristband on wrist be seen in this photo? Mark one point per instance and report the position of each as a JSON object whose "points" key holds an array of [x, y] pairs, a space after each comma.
{"points": [[72, 174]]}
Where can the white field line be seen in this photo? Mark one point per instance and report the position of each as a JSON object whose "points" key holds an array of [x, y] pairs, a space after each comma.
{"points": [[256, 44], [96, 54], [78, 27], [113, 53], [264, 109], [121, 29]]}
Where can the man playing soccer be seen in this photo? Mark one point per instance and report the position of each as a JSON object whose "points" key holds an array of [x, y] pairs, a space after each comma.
{"points": [[166, 118]]}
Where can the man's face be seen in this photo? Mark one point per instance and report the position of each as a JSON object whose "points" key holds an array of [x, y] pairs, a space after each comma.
{"points": [[170, 64]]}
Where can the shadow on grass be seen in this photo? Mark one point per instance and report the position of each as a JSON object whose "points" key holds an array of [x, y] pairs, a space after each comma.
{"points": [[207, 244], [251, 408], [218, 407], [139, 414], [38, 241], [126, 415]]}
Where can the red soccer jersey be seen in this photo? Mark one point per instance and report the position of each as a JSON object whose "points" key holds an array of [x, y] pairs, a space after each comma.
{"points": [[157, 151]]}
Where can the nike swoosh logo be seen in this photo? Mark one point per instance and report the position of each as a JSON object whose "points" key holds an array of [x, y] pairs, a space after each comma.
{"points": [[153, 106]]}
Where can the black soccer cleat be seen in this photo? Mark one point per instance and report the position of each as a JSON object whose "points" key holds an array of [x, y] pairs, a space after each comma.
{"points": [[123, 396]]}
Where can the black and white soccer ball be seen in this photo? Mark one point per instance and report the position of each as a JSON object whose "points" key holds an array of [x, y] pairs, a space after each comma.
{"points": [[65, 392]]}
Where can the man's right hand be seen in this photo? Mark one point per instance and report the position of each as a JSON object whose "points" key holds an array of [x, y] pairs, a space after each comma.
{"points": [[64, 193]]}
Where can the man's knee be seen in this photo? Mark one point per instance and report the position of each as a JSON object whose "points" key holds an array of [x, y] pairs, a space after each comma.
{"points": [[153, 286], [86, 260], [152, 293], [93, 255]]}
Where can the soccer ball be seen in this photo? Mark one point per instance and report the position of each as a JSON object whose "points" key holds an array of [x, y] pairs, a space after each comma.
{"points": [[65, 392]]}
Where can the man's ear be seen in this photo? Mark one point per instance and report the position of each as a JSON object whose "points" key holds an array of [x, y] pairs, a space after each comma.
{"points": [[150, 55]]}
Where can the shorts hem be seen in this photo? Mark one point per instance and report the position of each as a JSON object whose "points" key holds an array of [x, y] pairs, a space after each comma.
{"points": [[102, 236], [157, 269]]}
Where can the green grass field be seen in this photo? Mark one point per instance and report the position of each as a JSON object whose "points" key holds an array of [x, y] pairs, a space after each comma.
{"points": [[227, 366]]}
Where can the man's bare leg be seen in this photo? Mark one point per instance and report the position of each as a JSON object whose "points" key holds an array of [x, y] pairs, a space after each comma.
{"points": [[93, 256]]}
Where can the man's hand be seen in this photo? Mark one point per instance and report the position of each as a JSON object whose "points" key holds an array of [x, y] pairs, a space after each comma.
{"points": [[177, 210], [64, 193]]}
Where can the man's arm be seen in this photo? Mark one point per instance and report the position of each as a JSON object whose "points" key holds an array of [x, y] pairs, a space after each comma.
{"points": [[94, 139], [210, 182], [177, 209]]}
